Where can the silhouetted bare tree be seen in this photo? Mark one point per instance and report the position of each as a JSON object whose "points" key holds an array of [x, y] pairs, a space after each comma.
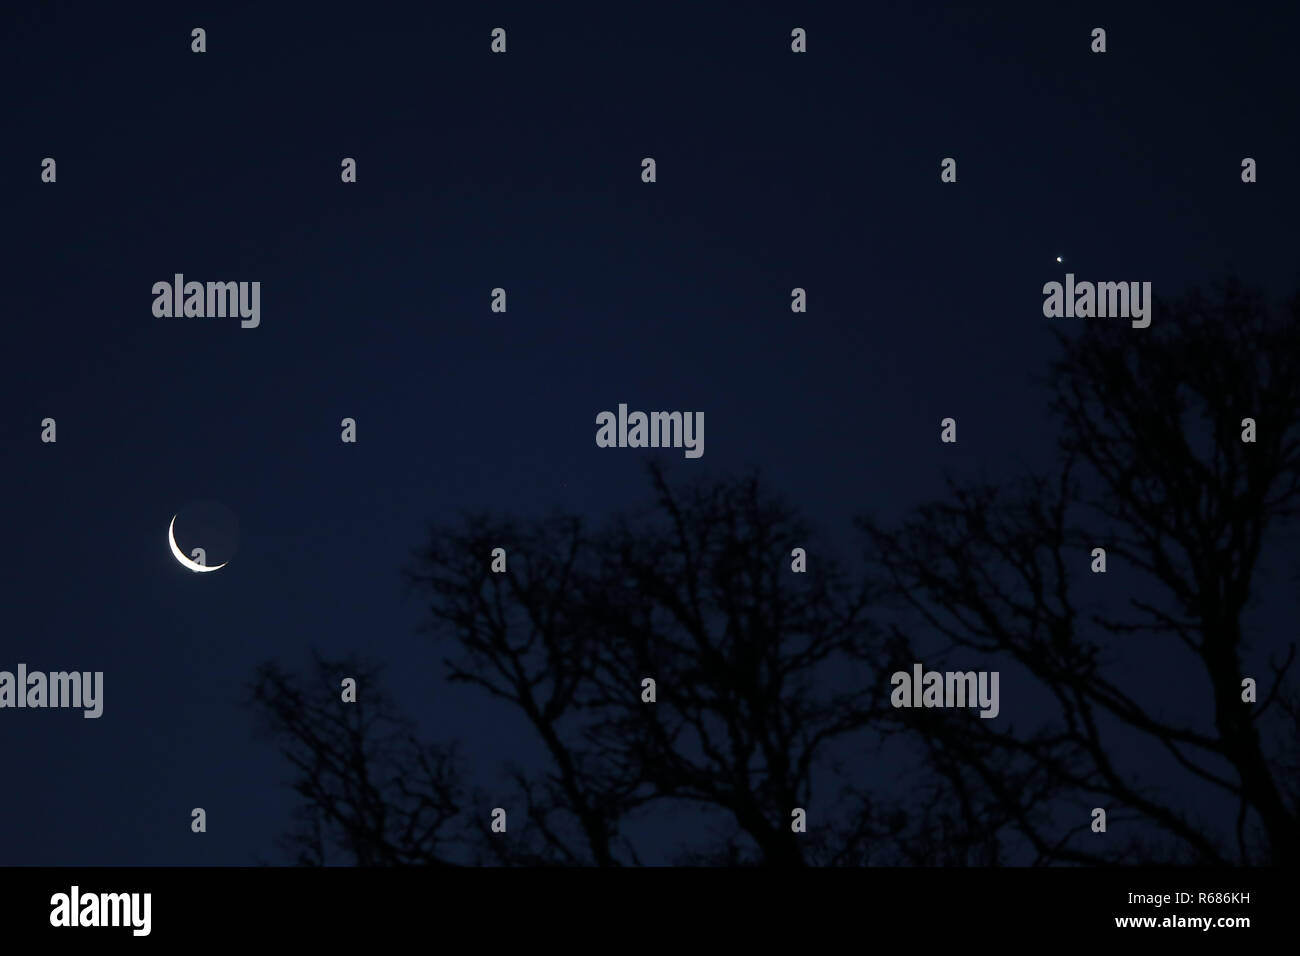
{"points": [[760, 673], [370, 791], [1155, 471], [761, 669], [772, 689], [697, 594]]}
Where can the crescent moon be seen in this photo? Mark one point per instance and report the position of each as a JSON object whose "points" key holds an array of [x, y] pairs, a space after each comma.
{"points": [[180, 555]]}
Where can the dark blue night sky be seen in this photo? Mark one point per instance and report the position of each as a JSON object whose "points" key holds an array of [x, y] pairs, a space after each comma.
{"points": [[522, 171]]}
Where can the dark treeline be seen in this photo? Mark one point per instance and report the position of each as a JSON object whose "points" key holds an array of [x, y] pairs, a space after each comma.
{"points": [[771, 686]]}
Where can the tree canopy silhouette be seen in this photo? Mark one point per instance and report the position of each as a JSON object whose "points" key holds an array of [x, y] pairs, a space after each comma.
{"points": [[696, 593], [1154, 470], [772, 687]]}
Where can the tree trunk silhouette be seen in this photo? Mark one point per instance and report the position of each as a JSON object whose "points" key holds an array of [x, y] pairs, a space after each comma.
{"points": [[1154, 470], [772, 685]]}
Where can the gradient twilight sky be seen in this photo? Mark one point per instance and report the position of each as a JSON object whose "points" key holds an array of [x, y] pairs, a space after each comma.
{"points": [[523, 171]]}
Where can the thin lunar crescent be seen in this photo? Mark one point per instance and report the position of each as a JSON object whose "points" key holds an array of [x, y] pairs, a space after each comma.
{"points": [[180, 555]]}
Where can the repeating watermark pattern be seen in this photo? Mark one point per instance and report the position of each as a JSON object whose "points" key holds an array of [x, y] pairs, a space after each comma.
{"points": [[923, 688], [209, 300], [75, 908], [731, 574], [655, 430], [57, 689]]}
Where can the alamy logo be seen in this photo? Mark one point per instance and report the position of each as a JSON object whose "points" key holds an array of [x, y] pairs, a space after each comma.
{"points": [[1124, 300], [57, 689], [213, 299], [103, 909], [656, 430], [924, 688]]}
